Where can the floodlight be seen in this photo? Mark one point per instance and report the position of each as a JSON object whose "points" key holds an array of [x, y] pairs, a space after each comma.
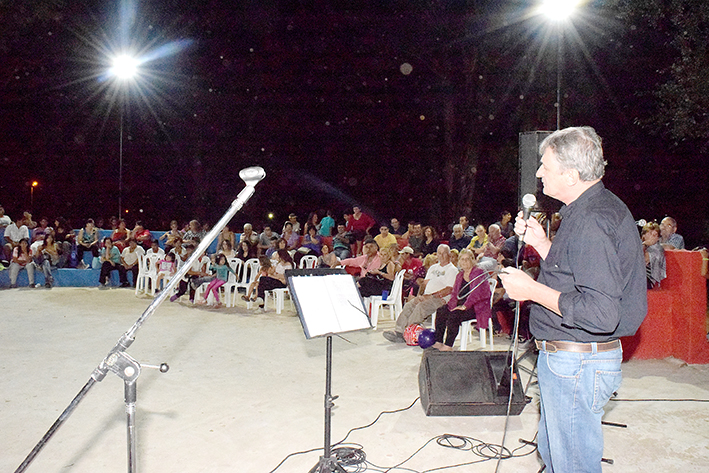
{"points": [[124, 66], [558, 10]]}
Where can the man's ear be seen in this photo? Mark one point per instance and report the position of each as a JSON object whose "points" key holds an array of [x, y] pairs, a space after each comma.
{"points": [[572, 177]]}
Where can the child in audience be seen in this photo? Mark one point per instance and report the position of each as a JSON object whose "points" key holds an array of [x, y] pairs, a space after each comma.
{"points": [[264, 269], [166, 268], [222, 270]]}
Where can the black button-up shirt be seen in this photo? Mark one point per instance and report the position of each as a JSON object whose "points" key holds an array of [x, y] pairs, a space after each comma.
{"points": [[596, 262]]}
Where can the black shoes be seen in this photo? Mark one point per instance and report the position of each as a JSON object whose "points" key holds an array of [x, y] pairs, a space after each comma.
{"points": [[395, 337]]}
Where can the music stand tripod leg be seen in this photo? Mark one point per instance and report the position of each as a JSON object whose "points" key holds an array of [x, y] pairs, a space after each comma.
{"points": [[328, 463]]}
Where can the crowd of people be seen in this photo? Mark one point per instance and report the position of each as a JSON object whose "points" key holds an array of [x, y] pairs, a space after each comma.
{"points": [[356, 240]]}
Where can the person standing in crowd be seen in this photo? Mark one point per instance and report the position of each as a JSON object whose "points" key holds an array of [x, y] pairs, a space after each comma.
{"points": [[327, 225], [359, 224], [591, 291]]}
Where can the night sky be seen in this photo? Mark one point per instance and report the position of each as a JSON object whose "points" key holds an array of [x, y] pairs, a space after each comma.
{"points": [[409, 108]]}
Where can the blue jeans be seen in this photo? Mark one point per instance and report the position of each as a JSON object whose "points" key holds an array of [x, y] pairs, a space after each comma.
{"points": [[574, 388]]}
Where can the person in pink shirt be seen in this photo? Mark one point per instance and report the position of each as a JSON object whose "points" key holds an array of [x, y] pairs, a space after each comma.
{"points": [[369, 261]]}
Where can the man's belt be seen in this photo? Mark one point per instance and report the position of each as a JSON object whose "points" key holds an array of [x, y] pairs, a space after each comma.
{"points": [[576, 347]]}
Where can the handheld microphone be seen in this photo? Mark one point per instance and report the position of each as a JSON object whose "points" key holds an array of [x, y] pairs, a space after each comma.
{"points": [[528, 201]]}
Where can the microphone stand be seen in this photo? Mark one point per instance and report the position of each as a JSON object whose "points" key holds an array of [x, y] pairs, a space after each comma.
{"points": [[122, 364]]}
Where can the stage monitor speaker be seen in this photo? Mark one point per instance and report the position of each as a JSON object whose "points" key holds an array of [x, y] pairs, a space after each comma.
{"points": [[468, 383], [529, 158]]}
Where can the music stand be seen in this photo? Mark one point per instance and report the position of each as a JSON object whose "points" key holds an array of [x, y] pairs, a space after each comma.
{"points": [[327, 302]]}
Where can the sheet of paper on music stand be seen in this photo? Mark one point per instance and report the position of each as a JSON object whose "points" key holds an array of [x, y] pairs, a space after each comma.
{"points": [[328, 304]]}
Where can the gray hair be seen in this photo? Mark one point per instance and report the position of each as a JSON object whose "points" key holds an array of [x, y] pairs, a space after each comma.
{"points": [[458, 226], [577, 148]]}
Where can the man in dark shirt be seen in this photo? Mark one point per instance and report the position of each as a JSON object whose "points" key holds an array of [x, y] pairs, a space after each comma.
{"points": [[590, 292]]}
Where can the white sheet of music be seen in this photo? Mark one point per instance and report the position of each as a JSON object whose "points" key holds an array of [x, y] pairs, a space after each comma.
{"points": [[329, 304]]}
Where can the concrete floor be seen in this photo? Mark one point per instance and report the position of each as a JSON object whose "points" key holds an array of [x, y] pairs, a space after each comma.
{"points": [[246, 389]]}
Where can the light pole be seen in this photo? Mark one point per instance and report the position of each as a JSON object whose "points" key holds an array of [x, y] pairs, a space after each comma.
{"points": [[558, 12], [124, 68], [32, 186]]}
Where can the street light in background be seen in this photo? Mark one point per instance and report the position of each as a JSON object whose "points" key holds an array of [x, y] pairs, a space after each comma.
{"points": [[558, 12], [124, 68], [32, 186]]}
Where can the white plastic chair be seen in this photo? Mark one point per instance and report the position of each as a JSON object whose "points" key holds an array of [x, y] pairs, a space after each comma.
{"points": [[150, 277], [230, 287], [140, 282], [308, 262], [467, 326], [279, 298], [393, 300], [205, 261]]}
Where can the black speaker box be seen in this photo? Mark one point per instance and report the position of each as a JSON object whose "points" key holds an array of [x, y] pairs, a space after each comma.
{"points": [[529, 158], [468, 383]]}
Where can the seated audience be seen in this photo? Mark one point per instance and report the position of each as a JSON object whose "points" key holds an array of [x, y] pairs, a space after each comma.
{"points": [[295, 224], [311, 245], [395, 227], [65, 239], [437, 288], [264, 270], [385, 238], [375, 281], [129, 258], [341, 243], [120, 235], [328, 259], [479, 241], [155, 250], [267, 240], [171, 235], [87, 240], [291, 237], [111, 261], [166, 269], [312, 221], [430, 242], [246, 251], [226, 249], [41, 230], [141, 235], [47, 257], [21, 258], [410, 264], [416, 239], [470, 299], [654, 255], [458, 240], [495, 242], [276, 277], [226, 235], [195, 234], [507, 227], [14, 233], [249, 235], [369, 261], [670, 240], [195, 276], [468, 230], [221, 270]]}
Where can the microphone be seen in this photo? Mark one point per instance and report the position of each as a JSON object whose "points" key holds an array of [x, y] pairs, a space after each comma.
{"points": [[528, 201]]}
